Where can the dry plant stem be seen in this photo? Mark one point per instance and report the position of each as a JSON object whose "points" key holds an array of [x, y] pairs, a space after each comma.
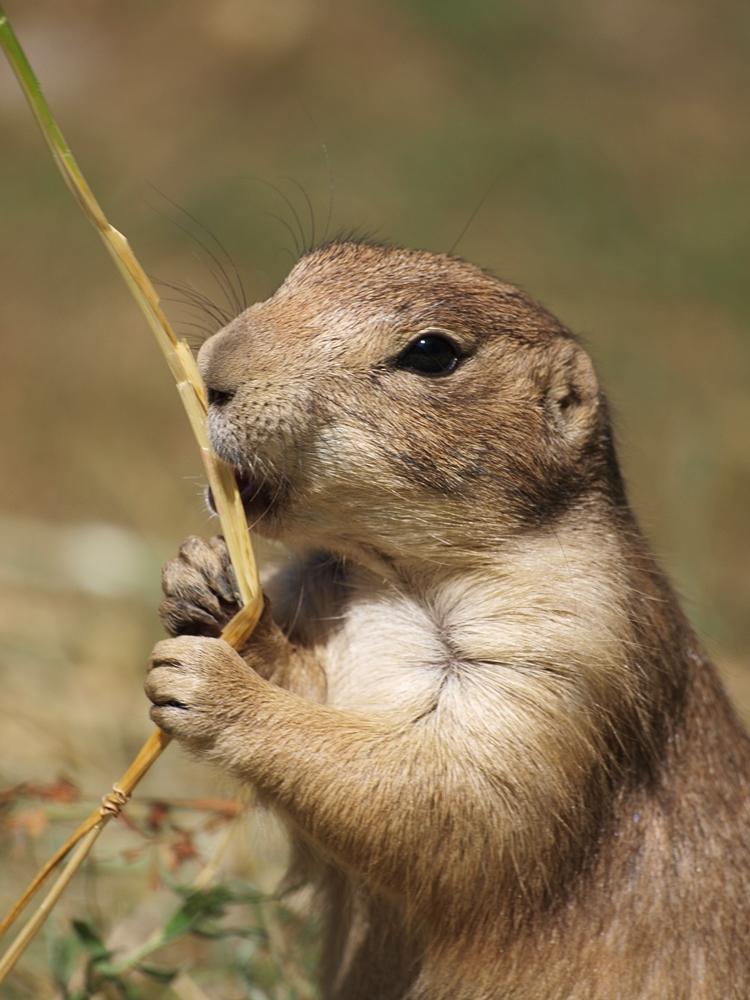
{"points": [[220, 476], [151, 749], [236, 633], [177, 353], [18, 947]]}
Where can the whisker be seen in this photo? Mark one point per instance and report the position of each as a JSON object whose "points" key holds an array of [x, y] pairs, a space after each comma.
{"points": [[241, 300], [221, 278], [206, 331], [196, 295], [309, 208], [291, 208], [234, 307], [196, 299], [216, 322], [291, 255], [330, 191], [328, 165], [473, 215], [289, 230]]}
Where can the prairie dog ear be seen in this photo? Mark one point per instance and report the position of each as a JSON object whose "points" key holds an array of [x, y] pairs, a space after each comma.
{"points": [[572, 397]]}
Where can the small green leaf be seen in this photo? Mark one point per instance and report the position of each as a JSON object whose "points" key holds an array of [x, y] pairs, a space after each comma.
{"points": [[90, 940], [164, 976], [209, 931], [178, 924], [63, 953], [126, 990], [198, 906], [237, 893]]}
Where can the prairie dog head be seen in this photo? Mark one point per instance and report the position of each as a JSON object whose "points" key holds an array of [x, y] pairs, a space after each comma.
{"points": [[403, 403]]}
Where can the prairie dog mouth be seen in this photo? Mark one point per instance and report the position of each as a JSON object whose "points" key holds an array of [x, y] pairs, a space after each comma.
{"points": [[258, 496]]}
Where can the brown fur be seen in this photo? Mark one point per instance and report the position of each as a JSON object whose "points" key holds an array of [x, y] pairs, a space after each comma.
{"points": [[502, 752]]}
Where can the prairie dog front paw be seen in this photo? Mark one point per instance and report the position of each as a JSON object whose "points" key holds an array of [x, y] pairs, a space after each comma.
{"points": [[198, 686], [200, 589]]}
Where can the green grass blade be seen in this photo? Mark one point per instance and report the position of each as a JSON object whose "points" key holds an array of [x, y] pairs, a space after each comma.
{"points": [[50, 130]]}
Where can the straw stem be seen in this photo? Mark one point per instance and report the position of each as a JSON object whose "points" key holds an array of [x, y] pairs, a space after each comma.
{"points": [[220, 476], [27, 935], [236, 633], [176, 352]]}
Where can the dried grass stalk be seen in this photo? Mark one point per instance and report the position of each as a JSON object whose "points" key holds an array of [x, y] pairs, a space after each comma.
{"points": [[220, 476], [27, 935]]}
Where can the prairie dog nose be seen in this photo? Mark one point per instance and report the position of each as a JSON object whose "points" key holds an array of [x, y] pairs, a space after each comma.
{"points": [[217, 397], [219, 362]]}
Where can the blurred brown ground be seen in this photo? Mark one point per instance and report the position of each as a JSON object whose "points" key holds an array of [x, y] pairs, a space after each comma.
{"points": [[618, 134]]}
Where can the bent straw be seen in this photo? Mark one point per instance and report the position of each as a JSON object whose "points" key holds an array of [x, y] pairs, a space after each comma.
{"points": [[220, 477]]}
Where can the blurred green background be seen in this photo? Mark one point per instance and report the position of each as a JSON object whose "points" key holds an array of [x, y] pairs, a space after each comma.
{"points": [[617, 136]]}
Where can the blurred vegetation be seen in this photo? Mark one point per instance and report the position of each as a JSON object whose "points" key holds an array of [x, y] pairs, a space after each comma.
{"points": [[615, 135], [150, 906]]}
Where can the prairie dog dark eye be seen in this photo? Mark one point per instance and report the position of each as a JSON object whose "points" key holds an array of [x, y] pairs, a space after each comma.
{"points": [[429, 354]]}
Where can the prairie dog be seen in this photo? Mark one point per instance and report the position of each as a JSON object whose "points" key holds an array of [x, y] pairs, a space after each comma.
{"points": [[502, 752]]}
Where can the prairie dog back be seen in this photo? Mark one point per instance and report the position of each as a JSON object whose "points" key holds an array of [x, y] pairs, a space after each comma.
{"points": [[492, 732]]}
